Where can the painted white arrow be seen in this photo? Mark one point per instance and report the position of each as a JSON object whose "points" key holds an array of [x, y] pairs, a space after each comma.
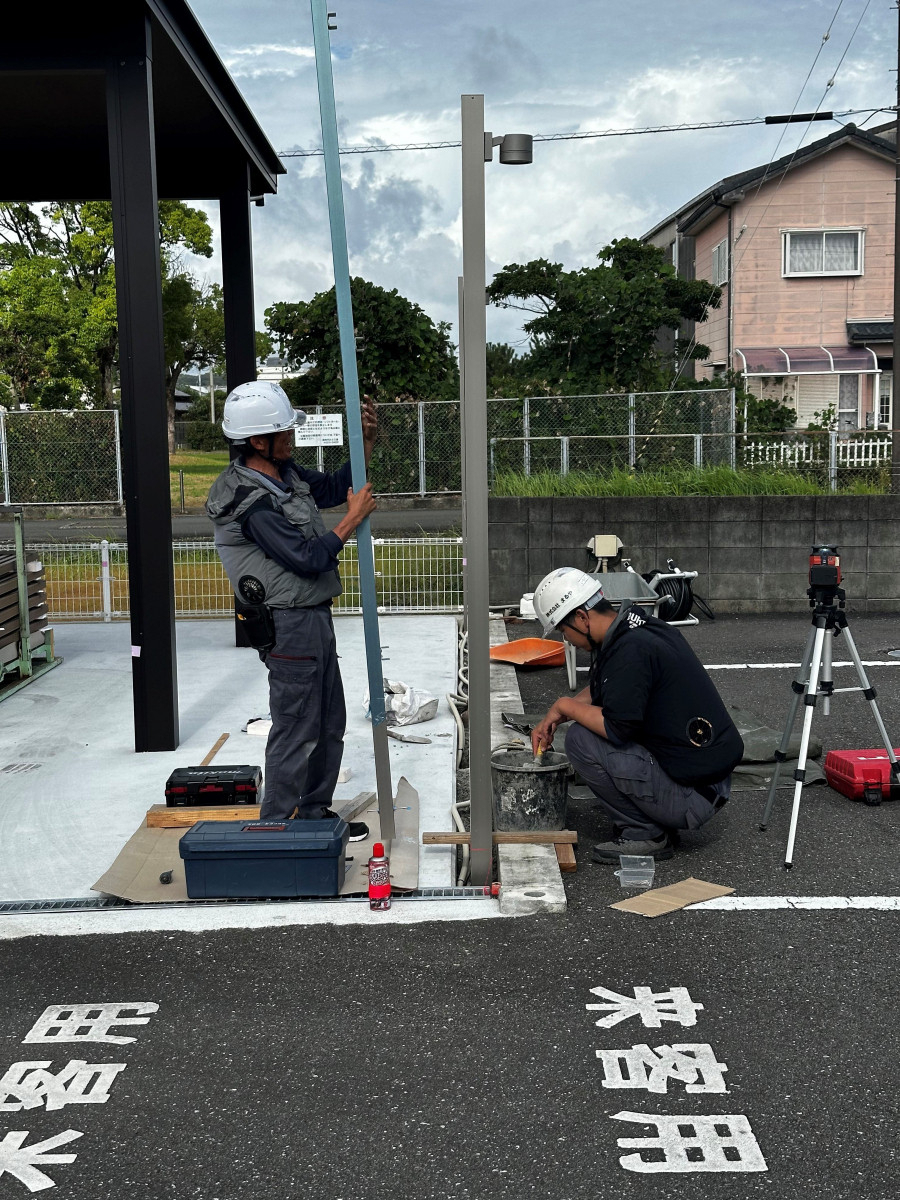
{"points": [[23, 1161]]}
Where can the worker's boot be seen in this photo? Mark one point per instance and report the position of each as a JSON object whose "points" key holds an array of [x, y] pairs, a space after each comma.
{"points": [[659, 848]]}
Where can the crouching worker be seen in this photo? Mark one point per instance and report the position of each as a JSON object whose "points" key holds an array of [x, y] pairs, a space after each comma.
{"points": [[651, 738], [283, 566]]}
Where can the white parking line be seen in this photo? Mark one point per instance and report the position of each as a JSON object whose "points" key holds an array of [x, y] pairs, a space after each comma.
{"points": [[871, 662], [763, 903]]}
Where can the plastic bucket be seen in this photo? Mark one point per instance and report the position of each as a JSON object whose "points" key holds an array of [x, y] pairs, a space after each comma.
{"points": [[527, 796]]}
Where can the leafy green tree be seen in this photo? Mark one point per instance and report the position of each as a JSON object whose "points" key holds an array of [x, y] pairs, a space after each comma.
{"points": [[193, 332], [401, 353], [58, 321], [595, 329]]}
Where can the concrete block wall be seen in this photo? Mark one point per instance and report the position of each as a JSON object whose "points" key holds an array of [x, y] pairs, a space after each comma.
{"points": [[751, 552]]}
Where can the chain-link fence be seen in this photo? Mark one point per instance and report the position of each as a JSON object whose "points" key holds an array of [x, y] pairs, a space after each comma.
{"points": [[89, 581], [419, 443], [65, 456]]}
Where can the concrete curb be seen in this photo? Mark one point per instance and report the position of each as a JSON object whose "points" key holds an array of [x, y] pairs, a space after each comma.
{"points": [[530, 879]]}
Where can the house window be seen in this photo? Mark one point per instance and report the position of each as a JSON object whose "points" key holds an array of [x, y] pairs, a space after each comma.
{"points": [[720, 263], [824, 252]]}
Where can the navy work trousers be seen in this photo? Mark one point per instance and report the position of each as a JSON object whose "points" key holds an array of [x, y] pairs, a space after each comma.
{"points": [[641, 800], [306, 703]]}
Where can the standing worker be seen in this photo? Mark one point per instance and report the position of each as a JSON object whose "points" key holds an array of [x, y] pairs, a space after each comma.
{"points": [[283, 566], [651, 736]]}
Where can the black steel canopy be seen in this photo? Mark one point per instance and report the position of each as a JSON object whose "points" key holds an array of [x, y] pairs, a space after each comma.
{"points": [[129, 102]]}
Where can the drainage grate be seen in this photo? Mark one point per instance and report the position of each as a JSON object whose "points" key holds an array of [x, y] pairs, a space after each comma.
{"points": [[19, 768], [93, 903]]}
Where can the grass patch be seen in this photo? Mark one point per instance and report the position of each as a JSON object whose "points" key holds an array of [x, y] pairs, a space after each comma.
{"points": [[200, 469], [679, 481]]}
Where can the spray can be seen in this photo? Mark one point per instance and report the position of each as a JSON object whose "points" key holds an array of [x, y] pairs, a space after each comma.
{"points": [[379, 878]]}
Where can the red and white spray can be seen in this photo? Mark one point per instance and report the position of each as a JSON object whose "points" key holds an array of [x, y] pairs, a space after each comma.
{"points": [[379, 878]]}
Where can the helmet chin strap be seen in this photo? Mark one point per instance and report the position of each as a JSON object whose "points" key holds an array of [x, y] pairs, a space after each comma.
{"points": [[270, 457]]}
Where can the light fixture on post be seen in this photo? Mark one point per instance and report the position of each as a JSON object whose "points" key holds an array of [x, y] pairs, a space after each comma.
{"points": [[477, 149]]}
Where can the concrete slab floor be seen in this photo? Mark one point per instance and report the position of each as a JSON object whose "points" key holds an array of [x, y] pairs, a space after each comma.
{"points": [[72, 790]]}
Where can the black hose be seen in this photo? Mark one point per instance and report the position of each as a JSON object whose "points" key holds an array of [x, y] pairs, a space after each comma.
{"points": [[681, 598]]}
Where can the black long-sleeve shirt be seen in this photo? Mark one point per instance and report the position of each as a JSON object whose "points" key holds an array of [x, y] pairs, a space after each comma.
{"points": [[283, 542]]}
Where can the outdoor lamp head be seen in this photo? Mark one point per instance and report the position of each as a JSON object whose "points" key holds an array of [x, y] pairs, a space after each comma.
{"points": [[516, 149]]}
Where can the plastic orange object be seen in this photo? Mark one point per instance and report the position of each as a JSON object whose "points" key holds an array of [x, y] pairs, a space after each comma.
{"points": [[531, 652]]}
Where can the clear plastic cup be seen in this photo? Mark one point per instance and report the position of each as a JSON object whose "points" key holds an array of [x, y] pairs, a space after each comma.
{"points": [[636, 870]]}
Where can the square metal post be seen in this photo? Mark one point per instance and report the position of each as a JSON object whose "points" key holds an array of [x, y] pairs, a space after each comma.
{"points": [[132, 156], [237, 289], [474, 392]]}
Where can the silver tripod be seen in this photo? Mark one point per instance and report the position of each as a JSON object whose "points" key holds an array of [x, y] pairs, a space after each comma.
{"points": [[815, 679]]}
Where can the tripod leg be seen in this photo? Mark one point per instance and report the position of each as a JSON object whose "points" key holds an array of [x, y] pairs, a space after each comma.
{"points": [[810, 702], [826, 681], [798, 686], [870, 693]]}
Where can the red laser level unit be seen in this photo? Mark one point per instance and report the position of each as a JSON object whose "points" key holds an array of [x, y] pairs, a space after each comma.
{"points": [[824, 567]]}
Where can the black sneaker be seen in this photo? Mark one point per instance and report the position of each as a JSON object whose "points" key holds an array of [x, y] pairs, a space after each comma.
{"points": [[658, 848], [359, 830]]}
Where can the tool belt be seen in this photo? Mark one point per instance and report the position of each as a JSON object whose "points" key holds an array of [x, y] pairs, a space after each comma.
{"points": [[258, 623]]}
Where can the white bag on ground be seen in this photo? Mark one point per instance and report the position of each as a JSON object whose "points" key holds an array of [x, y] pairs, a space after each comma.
{"points": [[404, 705]]}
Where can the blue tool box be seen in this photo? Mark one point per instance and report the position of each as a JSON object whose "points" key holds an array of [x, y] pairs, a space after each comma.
{"points": [[261, 859]]}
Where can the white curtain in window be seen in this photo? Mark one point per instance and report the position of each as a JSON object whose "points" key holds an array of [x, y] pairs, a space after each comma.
{"points": [[841, 252], [805, 252]]}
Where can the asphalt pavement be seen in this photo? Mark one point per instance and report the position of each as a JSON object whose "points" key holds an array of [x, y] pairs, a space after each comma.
{"points": [[461, 1060]]}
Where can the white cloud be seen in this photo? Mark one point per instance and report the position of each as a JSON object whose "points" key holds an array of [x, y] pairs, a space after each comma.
{"points": [[401, 65]]}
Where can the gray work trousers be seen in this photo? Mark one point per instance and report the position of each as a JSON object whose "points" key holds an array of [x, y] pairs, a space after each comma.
{"points": [[306, 703], [641, 800]]}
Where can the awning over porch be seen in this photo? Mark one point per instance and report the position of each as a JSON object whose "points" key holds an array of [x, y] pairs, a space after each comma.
{"points": [[807, 360]]}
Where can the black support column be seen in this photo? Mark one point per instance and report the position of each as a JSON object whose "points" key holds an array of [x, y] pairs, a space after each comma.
{"points": [[145, 458], [237, 282], [237, 286]]}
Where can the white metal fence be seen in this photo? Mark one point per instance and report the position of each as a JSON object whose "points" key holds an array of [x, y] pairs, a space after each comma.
{"points": [[89, 581], [831, 454]]}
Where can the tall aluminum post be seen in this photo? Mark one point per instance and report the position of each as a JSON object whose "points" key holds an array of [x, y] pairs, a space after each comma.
{"points": [[474, 392], [354, 418]]}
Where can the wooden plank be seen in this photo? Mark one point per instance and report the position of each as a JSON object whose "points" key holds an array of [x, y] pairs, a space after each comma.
{"points": [[538, 837], [160, 816], [565, 856], [215, 750]]}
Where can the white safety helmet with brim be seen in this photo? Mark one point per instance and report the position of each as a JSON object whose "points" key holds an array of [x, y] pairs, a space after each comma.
{"points": [[258, 408], [561, 592]]}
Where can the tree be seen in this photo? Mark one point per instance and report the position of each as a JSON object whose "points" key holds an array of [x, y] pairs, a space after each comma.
{"points": [[595, 329], [193, 332], [62, 350], [401, 353]]}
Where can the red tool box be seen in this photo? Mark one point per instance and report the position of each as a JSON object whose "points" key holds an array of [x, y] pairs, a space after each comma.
{"points": [[189, 787], [861, 774]]}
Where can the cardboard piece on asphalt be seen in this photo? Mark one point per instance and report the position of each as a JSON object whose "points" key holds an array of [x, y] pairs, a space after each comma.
{"points": [[659, 901], [151, 852]]}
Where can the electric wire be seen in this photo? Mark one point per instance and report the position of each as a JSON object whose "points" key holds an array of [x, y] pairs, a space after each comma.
{"points": [[586, 135], [765, 177]]}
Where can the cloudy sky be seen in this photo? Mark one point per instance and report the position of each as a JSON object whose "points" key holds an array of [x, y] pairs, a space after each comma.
{"points": [[566, 67]]}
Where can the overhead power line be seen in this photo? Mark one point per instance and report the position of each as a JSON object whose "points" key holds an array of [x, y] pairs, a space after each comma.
{"points": [[573, 137]]}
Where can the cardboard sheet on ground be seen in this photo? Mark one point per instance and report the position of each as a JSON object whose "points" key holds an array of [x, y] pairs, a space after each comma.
{"points": [[150, 853], [659, 901]]}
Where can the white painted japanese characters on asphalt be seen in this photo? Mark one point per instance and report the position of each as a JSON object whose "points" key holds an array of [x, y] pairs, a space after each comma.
{"points": [[682, 1144], [32, 1083]]}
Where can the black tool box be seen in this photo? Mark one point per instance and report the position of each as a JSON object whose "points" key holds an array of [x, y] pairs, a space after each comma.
{"points": [[192, 787], [263, 859]]}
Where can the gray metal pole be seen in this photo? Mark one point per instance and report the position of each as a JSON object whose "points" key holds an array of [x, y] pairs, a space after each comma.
{"points": [[421, 428], [4, 460], [832, 460], [632, 430], [476, 504], [526, 429]]}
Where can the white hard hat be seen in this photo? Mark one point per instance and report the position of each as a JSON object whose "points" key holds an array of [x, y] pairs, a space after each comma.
{"points": [[258, 408], [561, 592]]}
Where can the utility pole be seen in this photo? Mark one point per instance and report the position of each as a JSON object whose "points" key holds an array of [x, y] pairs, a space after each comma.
{"points": [[212, 394]]}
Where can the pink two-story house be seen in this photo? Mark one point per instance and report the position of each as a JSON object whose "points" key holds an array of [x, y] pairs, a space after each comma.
{"points": [[803, 249]]}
